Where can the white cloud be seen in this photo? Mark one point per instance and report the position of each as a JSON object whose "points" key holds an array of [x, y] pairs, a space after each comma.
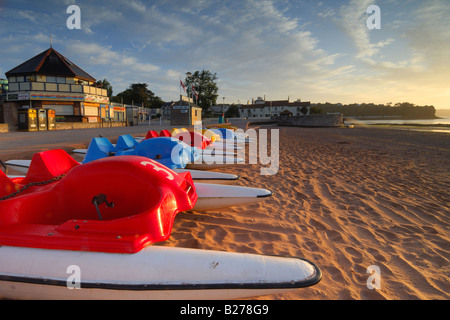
{"points": [[429, 33], [94, 16], [256, 45], [352, 20], [136, 5], [278, 48], [115, 63], [326, 13], [27, 14]]}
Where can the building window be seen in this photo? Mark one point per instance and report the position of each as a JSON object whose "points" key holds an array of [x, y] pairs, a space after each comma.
{"points": [[14, 86], [51, 79], [76, 88], [64, 87], [51, 87], [25, 86], [38, 86]]}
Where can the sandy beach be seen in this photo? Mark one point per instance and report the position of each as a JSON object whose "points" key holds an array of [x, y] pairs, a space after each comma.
{"points": [[346, 199]]}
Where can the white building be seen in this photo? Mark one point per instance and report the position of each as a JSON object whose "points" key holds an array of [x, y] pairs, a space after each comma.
{"points": [[263, 109]]}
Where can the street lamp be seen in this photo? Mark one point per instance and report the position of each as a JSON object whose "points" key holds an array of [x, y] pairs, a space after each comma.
{"points": [[188, 76]]}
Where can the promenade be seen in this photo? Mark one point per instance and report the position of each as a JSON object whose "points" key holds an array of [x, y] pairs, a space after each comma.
{"points": [[24, 144]]}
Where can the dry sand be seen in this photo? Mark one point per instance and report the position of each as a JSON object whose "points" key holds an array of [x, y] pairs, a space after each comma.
{"points": [[345, 199]]}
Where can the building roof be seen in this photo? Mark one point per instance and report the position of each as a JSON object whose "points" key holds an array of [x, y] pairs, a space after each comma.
{"points": [[168, 104], [277, 103], [220, 108], [183, 103], [285, 112], [50, 62]]}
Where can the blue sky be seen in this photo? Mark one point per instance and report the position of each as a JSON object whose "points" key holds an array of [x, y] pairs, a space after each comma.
{"points": [[318, 51]]}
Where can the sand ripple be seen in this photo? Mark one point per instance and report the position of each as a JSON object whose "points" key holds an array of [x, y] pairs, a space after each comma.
{"points": [[345, 199]]}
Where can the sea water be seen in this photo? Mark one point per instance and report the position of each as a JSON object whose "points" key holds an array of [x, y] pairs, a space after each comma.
{"points": [[436, 125]]}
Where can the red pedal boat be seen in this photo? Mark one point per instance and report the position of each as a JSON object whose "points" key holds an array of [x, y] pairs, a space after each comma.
{"points": [[98, 218], [118, 204], [194, 139]]}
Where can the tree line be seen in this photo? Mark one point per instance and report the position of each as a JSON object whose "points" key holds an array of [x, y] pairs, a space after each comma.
{"points": [[405, 110]]}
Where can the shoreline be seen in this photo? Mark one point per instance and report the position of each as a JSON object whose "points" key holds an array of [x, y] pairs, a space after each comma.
{"points": [[420, 125], [423, 127]]}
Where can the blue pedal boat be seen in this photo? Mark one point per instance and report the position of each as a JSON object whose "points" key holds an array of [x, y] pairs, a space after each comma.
{"points": [[170, 152]]}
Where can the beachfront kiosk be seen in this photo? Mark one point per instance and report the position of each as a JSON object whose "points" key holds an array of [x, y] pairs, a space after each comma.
{"points": [[185, 112], [51, 81]]}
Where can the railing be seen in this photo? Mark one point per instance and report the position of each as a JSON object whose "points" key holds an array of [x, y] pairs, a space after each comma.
{"points": [[56, 87]]}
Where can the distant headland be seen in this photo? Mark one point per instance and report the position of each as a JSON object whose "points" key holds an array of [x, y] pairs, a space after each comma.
{"points": [[403, 110]]}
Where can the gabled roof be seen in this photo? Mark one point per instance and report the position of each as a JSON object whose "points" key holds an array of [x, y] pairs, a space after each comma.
{"points": [[50, 62], [285, 112], [168, 104]]}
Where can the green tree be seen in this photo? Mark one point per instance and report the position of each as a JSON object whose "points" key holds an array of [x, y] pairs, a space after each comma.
{"points": [[406, 110], [315, 110], [205, 87], [139, 94], [304, 110], [232, 112]]}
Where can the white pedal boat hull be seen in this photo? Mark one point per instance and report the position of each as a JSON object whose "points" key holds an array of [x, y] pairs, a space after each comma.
{"points": [[213, 152], [217, 196], [21, 167], [221, 152], [79, 151], [218, 145], [237, 139], [156, 273], [210, 177], [210, 162]]}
